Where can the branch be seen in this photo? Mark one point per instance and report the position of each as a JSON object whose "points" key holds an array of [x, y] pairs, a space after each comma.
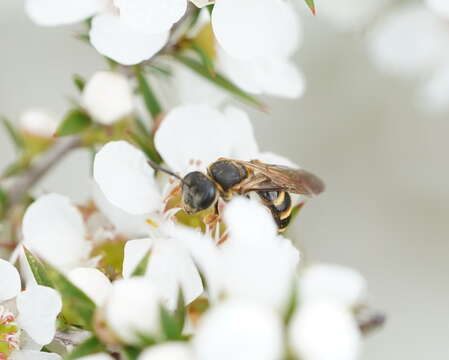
{"points": [[17, 189]]}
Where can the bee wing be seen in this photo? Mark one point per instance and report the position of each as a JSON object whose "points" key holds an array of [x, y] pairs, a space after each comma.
{"points": [[278, 177]]}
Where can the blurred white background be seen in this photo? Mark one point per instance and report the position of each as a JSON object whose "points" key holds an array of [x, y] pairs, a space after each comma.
{"points": [[386, 208]]}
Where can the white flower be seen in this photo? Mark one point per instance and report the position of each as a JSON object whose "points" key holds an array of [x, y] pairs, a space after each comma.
{"points": [[108, 97], [325, 282], [324, 331], [54, 229], [239, 331], [92, 282], [168, 351], [408, 41], [38, 122], [132, 308], [121, 43], [256, 29], [24, 327]]}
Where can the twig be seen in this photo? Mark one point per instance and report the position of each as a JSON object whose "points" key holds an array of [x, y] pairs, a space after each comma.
{"points": [[16, 190]]}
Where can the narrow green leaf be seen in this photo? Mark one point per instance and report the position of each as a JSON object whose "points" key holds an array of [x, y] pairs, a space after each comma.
{"points": [[210, 8], [141, 127], [311, 5], [292, 303], [218, 80], [79, 82], [169, 324], [141, 267], [38, 269], [151, 102], [205, 58], [16, 138], [88, 347], [74, 122], [131, 352], [3, 203], [77, 307], [180, 312], [147, 146]]}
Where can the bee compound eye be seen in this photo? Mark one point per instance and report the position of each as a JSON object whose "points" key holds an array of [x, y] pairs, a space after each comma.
{"points": [[198, 192]]}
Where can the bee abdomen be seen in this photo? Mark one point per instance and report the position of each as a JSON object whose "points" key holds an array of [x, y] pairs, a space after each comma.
{"points": [[280, 205]]}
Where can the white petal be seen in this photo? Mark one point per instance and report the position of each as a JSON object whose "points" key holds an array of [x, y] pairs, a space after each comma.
{"points": [[170, 268], [276, 77], [435, 92], [439, 6], [33, 355], [92, 282], [54, 229], [38, 307], [134, 252], [332, 283], [322, 331], [133, 308], [125, 45], [150, 16], [123, 174], [258, 265], [409, 40], [100, 356], [108, 97], [239, 331], [249, 29], [126, 224], [38, 122], [60, 12], [168, 351], [244, 145], [10, 281], [198, 128]]}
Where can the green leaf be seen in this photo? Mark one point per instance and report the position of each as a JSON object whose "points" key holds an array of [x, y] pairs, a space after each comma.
{"points": [[169, 324], [74, 122], [180, 312], [77, 307], [79, 82], [88, 347], [16, 138], [147, 146], [311, 5], [141, 267], [218, 80], [210, 8], [205, 58], [292, 303], [131, 352], [38, 269], [3, 203], [151, 102]]}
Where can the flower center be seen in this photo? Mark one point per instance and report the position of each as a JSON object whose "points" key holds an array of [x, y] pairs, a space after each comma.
{"points": [[9, 333]]}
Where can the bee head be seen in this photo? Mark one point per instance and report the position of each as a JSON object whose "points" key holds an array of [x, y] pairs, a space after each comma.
{"points": [[198, 192]]}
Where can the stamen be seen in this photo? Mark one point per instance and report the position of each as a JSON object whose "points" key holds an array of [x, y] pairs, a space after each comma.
{"points": [[152, 223], [9, 333]]}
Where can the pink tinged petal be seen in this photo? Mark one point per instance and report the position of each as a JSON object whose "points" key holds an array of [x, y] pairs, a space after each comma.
{"points": [[133, 308], [197, 130], [125, 178], [171, 268], [39, 321], [135, 250], [108, 97], [92, 282], [150, 16], [33, 355], [332, 283], [408, 41], [256, 29], [244, 145], [123, 44], [168, 351], [324, 331], [239, 331], [60, 12], [54, 229], [10, 281]]}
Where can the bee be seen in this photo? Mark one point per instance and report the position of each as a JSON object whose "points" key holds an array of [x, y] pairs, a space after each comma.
{"points": [[227, 177]]}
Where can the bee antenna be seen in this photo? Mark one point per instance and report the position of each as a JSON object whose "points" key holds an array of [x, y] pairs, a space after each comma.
{"points": [[156, 166]]}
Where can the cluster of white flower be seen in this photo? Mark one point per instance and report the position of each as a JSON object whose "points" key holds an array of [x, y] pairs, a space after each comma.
{"points": [[132, 274]]}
